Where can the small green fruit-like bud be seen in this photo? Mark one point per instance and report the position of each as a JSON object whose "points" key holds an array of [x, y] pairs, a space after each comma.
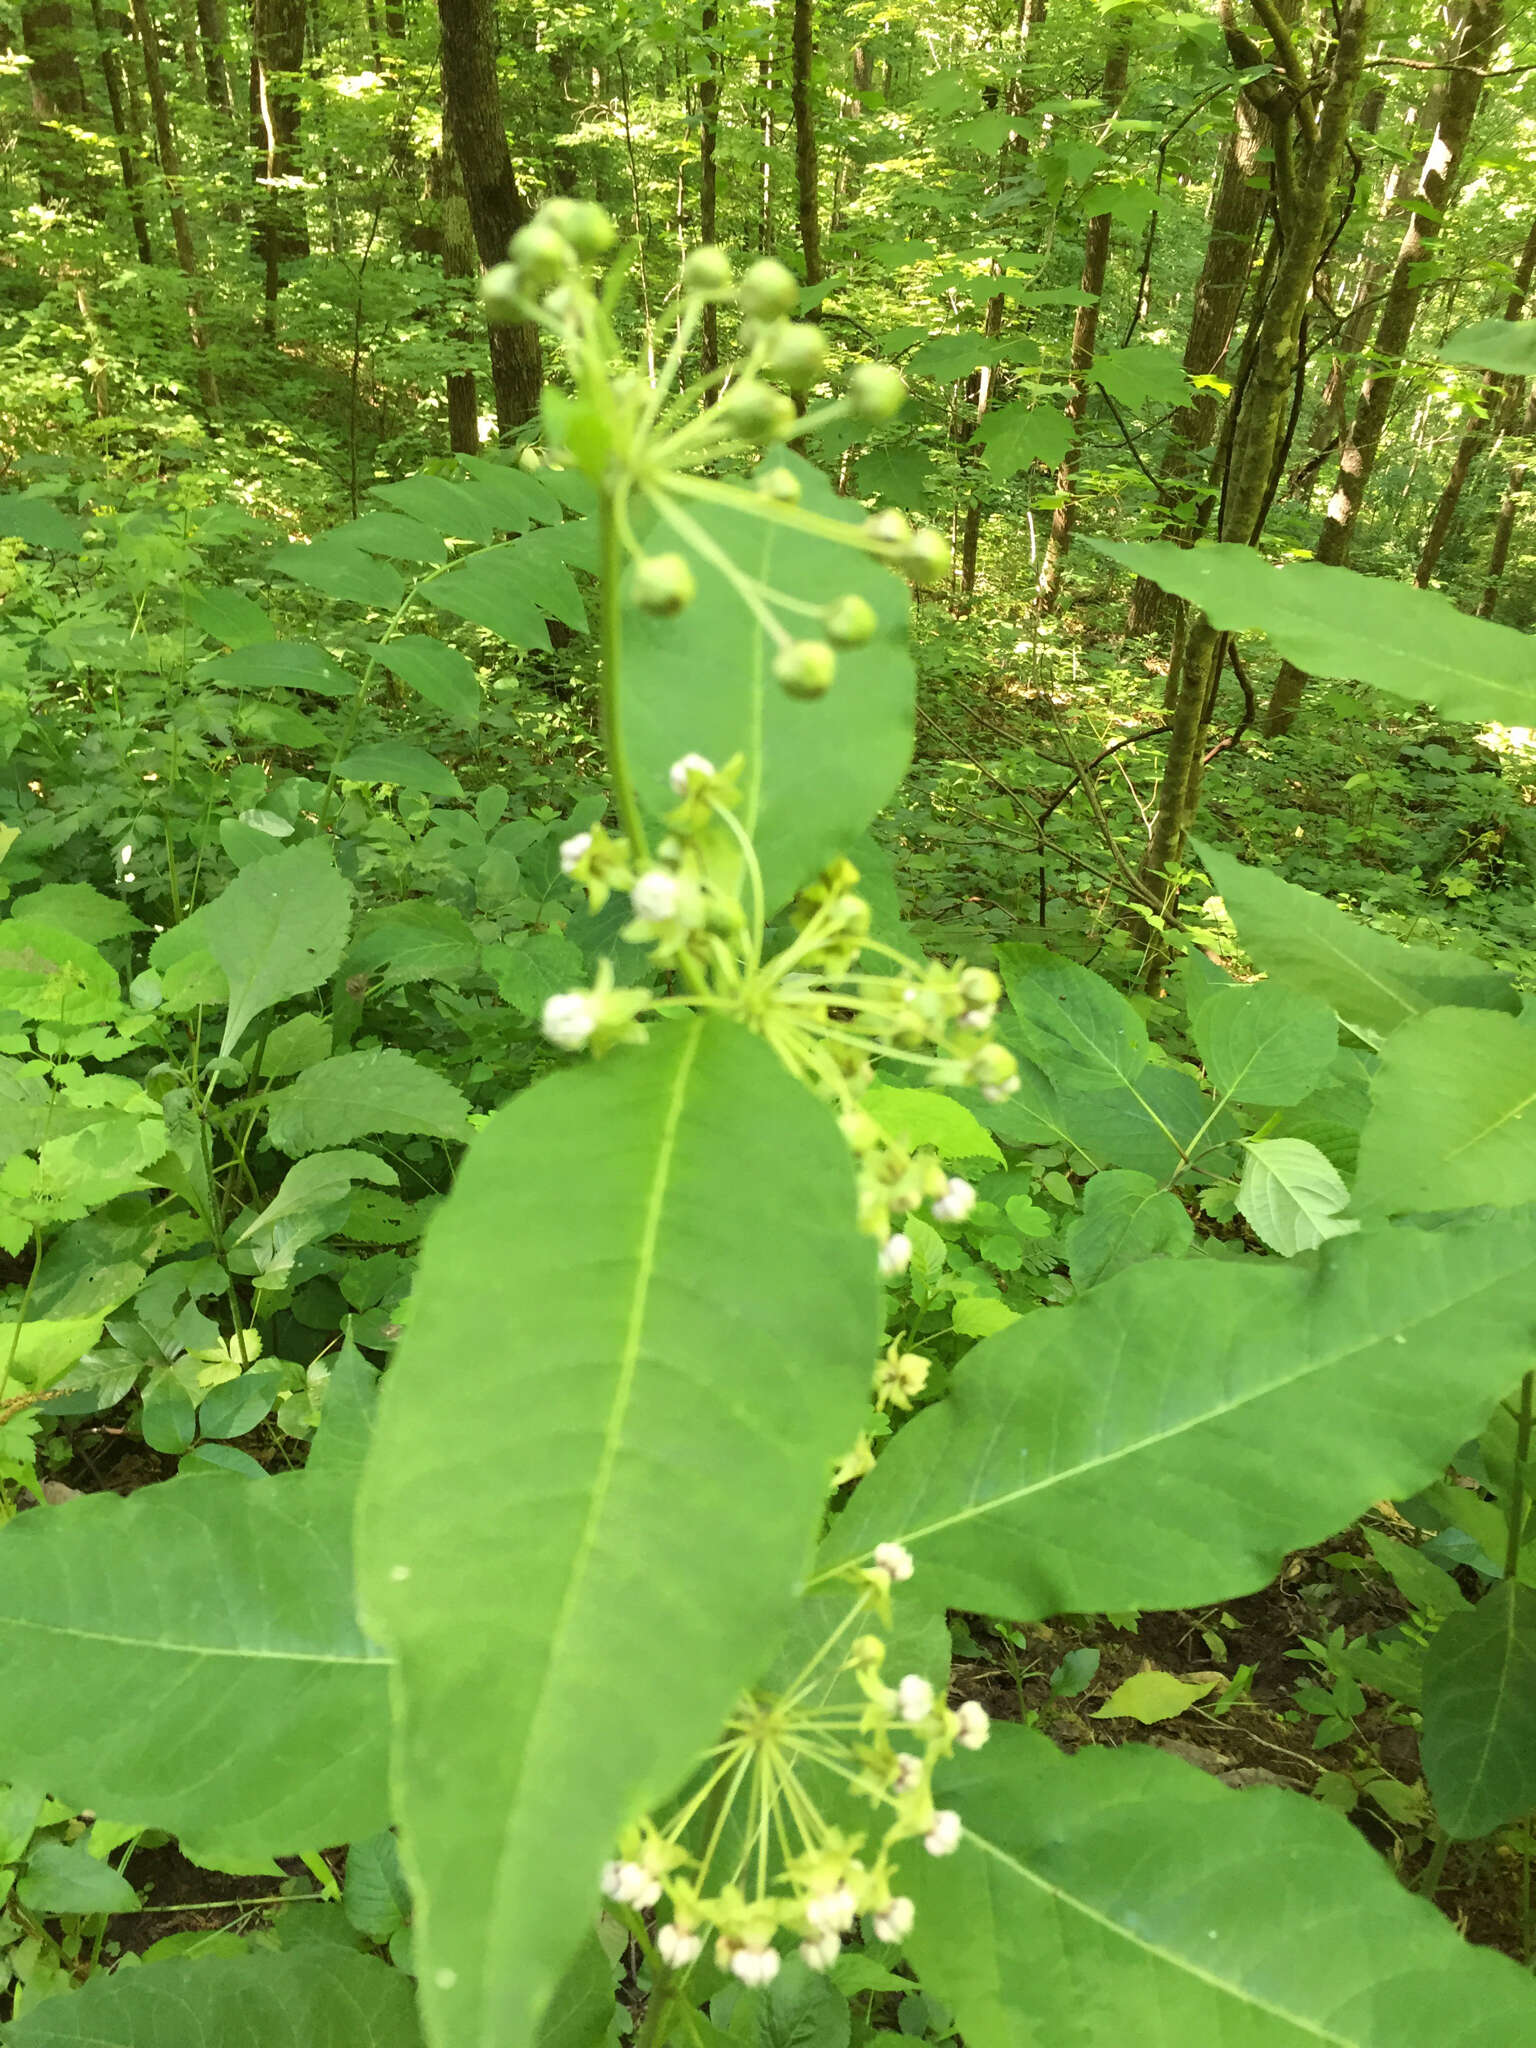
{"points": [[926, 558], [978, 986], [850, 622], [501, 293], [663, 584], [768, 291], [542, 256], [798, 356], [757, 411], [782, 485], [531, 460], [707, 272], [806, 668], [584, 224], [888, 530], [876, 392]]}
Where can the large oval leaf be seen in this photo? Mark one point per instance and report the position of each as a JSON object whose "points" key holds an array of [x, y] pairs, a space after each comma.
{"points": [[1121, 1896], [644, 1324], [1479, 1743], [1453, 1115], [1269, 1403]]}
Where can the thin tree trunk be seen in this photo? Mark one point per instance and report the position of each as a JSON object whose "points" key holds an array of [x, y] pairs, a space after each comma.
{"points": [[277, 58], [497, 208], [709, 131], [213, 27], [127, 156], [765, 101], [1504, 523], [1495, 403], [802, 55], [459, 261], [170, 166], [1479, 32], [59, 102]]}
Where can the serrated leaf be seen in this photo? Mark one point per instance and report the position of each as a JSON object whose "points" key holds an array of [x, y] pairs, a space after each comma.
{"points": [[1274, 1402], [1017, 435], [1291, 1195], [924, 1116], [216, 1613], [1083, 1032], [1453, 1115], [400, 764], [278, 930], [315, 1183], [1152, 1696], [420, 940], [634, 1419], [437, 672], [1263, 1043], [1120, 1895], [49, 973], [1479, 1701], [1126, 1217], [359, 1094]]}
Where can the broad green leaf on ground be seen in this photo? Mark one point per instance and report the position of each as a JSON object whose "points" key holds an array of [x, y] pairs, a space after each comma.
{"points": [[281, 665], [278, 930], [527, 973], [438, 672], [64, 1877], [1508, 346], [1263, 1043], [1453, 1115], [1414, 644], [924, 1116], [1119, 1895], [78, 908], [248, 1712], [1479, 1739], [315, 1996], [358, 1094], [1372, 982], [1152, 1696], [1291, 1194], [315, 1183], [816, 773], [1081, 1031], [1273, 1402], [1125, 1217], [399, 763], [643, 1329], [800, 2009]]}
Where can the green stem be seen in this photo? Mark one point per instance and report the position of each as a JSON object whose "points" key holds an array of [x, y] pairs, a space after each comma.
{"points": [[1516, 1522], [612, 642]]}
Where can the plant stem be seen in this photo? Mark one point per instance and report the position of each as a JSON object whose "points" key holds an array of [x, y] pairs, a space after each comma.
{"points": [[612, 679], [1434, 1869], [1516, 1523]]}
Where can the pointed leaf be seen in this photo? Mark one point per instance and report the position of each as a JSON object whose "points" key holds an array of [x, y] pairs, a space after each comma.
{"points": [[437, 671], [66, 1878], [403, 766], [1126, 1217], [282, 665], [1083, 1032], [643, 1327], [481, 590], [924, 1116], [278, 930], [1260, 1042], [1479, 1739], [331, 566], [1291, 1195], [360, 1093], [1273, 1402], [1453, 1115], [1508, 346]]}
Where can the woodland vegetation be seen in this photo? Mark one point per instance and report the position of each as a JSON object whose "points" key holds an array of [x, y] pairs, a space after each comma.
{"points": [[767, 1090]]}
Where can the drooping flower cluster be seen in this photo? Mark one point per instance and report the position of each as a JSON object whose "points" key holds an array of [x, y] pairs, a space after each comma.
{"points": [[751, 1858]]}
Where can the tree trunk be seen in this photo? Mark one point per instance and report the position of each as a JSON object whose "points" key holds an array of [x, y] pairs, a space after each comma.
{"points": [[802, 54], [497, 208], [709, 131], [1479, 32], [57, 87], [1085, 332], [459, 261], [1504, 524], [277, 58], [170, 166], [213, 27], [1495, 403], [765, 103], [127, 156]]}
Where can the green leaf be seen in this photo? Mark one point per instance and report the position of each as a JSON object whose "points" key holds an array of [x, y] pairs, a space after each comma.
{"points": [[1372, 983], [248, 1712], [1083, 1032], [482, 590], [228, 616], [799, 2009], [48, 973], [437, 672], [451, 506], [1479, 1702], [278, 930], [1017, 435], [816, 773], [1273, 1402], [305, 1997], [1508, 346], [399, 763], [1291, 1195], [1413, 644], [1453, 1115], [642, 1332], [1120, 1895], [1142, 378], [392, 533], [315, 1183], [1152, 1696], [330, 566], [66, 1878], [1263, 1043], [38, 522], [1126, 1217], [923, 1116], [282, 665], [41, 1350], [516, 499], [421, 940], [360, 1093], [375, 1895], [76, 907]]}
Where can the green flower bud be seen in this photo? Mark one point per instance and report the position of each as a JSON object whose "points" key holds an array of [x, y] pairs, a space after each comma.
{"points": [[584, 224], [876, 392], [768, 291], [888, 530], [531, 459], [663, 584], [707, 273], [757, 411], [542, 256], [850, 622], [797, 355], [501, 293], [926, 558], [806, 668], [781, 485], [978, 986]]}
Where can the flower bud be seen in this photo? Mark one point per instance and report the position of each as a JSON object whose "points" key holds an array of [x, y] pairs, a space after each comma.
{"points": [[831, 1912], [896, 1559], [768, 291], [850, 621], [755, 1966], [656, 896], [821, 1953], [756, 411], [978, 986], [542, 256], [895, 1253], [501, 293], [908, 1776], [629, 1884], [797, 355], [914, 1698], [530, 460], [956, 1202], [686, 766], [926, 558], [973, 1724], [678, 1946], [573, 851], [663, 585], [888, 529], [707, 273], [995, 1071], [895, 1921], [806, 668], [876, 392], [569, 1020], [943, 1837], [586, 227], [779, 484]]}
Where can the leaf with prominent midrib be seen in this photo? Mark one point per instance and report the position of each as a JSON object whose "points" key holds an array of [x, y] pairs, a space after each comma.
{"points": [[1119, 1896], [1082, 1031], [189, 1659], [278, 930], [1270, 1402], [1453, 1115], [1479, 1739], [358, 1094], [643, 1326]]}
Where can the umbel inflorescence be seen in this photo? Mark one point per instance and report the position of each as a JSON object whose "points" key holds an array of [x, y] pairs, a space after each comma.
{"points": [[751, 1852]]}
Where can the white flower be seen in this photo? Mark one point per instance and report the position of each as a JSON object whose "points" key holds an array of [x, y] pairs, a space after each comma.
{"points": [[943, 1837], [914, 1698], [678, 1946], [629, 1884], [909, 1773], [678, 773], [573, 851], [977, 1020], [569, 1020], [895, 1255], [956, 1202], [655, 896], [755, 1965], [1001, 1090], [831, 1912], [821, 1953], [972, 1724], [893, 1922], [894, 1558]]}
